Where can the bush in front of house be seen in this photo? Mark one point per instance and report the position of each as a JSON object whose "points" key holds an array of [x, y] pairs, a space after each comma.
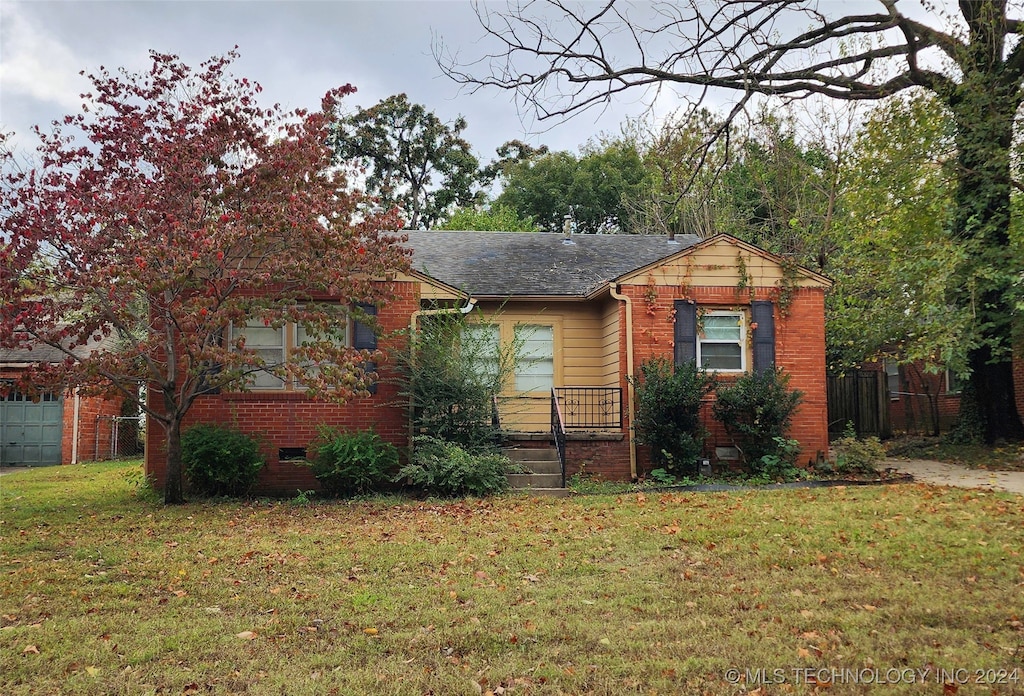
{"points": [[350, 463], [757, 410], [668, 413], [852, 455], [452, 369], [446, 469], [219, 460]]}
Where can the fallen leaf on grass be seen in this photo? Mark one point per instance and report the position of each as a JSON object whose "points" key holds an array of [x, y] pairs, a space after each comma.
{"points": [[30, 649], [246, 635], [92, 671], [370, 631]]}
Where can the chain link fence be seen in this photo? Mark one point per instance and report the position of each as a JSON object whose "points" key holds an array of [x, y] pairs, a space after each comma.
{"points": [[120, 437]]}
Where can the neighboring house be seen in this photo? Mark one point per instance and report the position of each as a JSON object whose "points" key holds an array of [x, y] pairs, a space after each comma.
{"points": [[589, 310], [886, 399], [921, 401], [50, 427]]}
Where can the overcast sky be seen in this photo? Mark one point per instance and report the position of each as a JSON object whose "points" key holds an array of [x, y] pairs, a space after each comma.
{"points": [[296, 50]]}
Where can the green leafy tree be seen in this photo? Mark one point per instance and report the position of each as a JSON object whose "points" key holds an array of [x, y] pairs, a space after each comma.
{"points": [[561, 60], [770, 182], [668, 412], [780, 193], [896, 269], [757, 410], [413, 160], [494, 218], [591, 188], [510, 153]]}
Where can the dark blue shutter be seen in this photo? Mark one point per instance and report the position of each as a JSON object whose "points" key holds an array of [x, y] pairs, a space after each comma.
{"points": [[363, 338], [762, 313], [685, 331]]}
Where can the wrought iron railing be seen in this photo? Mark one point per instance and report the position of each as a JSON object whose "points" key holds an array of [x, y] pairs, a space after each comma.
{"points": [[591, 408], [558, 431], [495, 414]]}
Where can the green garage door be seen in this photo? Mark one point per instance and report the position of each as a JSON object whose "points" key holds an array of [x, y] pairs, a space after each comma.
{"points": [[30, 431]]}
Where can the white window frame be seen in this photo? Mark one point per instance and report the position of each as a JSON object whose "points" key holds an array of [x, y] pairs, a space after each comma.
{"points": [[294, 329], [740, 341], [529, 360], [290, 341], [891, 368], [954, 385], [260, 348], [489, 344]]}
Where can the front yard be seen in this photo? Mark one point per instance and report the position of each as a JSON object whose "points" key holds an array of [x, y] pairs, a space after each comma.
{"points": [[888, 589]]}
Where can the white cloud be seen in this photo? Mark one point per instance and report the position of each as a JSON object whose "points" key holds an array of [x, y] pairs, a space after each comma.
{"points": [[35, 64]]}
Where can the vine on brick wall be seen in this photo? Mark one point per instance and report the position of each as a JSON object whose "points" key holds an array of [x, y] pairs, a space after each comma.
{"points": [[651, 295], [746, 281], [687, 281], [787, 285]]}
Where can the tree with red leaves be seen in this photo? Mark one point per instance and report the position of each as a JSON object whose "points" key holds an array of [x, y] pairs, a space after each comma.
{"points": [[170, 214]]}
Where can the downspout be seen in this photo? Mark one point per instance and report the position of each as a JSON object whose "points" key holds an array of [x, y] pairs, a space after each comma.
{"points": [[74, 427], [629, 371], [413, 322]]}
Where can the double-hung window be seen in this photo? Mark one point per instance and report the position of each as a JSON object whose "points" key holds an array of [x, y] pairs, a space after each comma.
{"points": [[269, 344], [481, 350], [535, 371], [720, 343], [276, 346], [337, 336]]}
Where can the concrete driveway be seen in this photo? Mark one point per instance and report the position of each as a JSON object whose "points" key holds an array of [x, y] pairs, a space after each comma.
{"points": [[943, 474]]}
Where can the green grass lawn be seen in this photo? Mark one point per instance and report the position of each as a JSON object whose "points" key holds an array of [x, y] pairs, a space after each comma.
{"points": [[105, 591]]}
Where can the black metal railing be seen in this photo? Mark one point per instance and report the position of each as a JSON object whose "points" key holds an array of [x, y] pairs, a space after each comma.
{"points": [[495, 415], [558, 431], [591, 408]]}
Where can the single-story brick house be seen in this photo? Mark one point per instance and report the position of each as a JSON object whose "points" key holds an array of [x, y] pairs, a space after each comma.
{"points": [[39, 429], [595, 308]]}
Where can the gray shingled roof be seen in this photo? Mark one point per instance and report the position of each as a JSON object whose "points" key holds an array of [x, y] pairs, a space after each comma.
{"points": [[503, 264], [42, 353]]}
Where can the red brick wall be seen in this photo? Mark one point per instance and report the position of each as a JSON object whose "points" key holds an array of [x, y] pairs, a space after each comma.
{"points": [[799, 349], [291, 419], [94, 427], [606, 459]]}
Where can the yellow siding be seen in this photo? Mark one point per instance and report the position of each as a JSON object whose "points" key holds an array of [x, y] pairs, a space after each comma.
{"points": [[610, 348], [434, 292], [717, 264], [578, 330], [585, 351]]}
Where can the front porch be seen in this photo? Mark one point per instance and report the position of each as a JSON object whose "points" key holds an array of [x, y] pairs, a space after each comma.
{"points": [[583, 425]]}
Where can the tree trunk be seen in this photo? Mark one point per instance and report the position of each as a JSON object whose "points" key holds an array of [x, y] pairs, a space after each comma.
{"points": [[173, 487], [984, 110]]}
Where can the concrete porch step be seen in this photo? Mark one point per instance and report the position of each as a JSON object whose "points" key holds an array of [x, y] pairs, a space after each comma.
{"points": [[541, 472], [535, 480], [531, 454]]}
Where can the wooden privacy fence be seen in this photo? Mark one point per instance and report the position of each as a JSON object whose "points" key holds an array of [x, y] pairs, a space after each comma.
{"points": [[861, 398]]}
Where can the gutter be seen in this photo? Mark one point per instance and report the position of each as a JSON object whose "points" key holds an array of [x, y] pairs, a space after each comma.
{"points": [[629, 371], [74, 428]]}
